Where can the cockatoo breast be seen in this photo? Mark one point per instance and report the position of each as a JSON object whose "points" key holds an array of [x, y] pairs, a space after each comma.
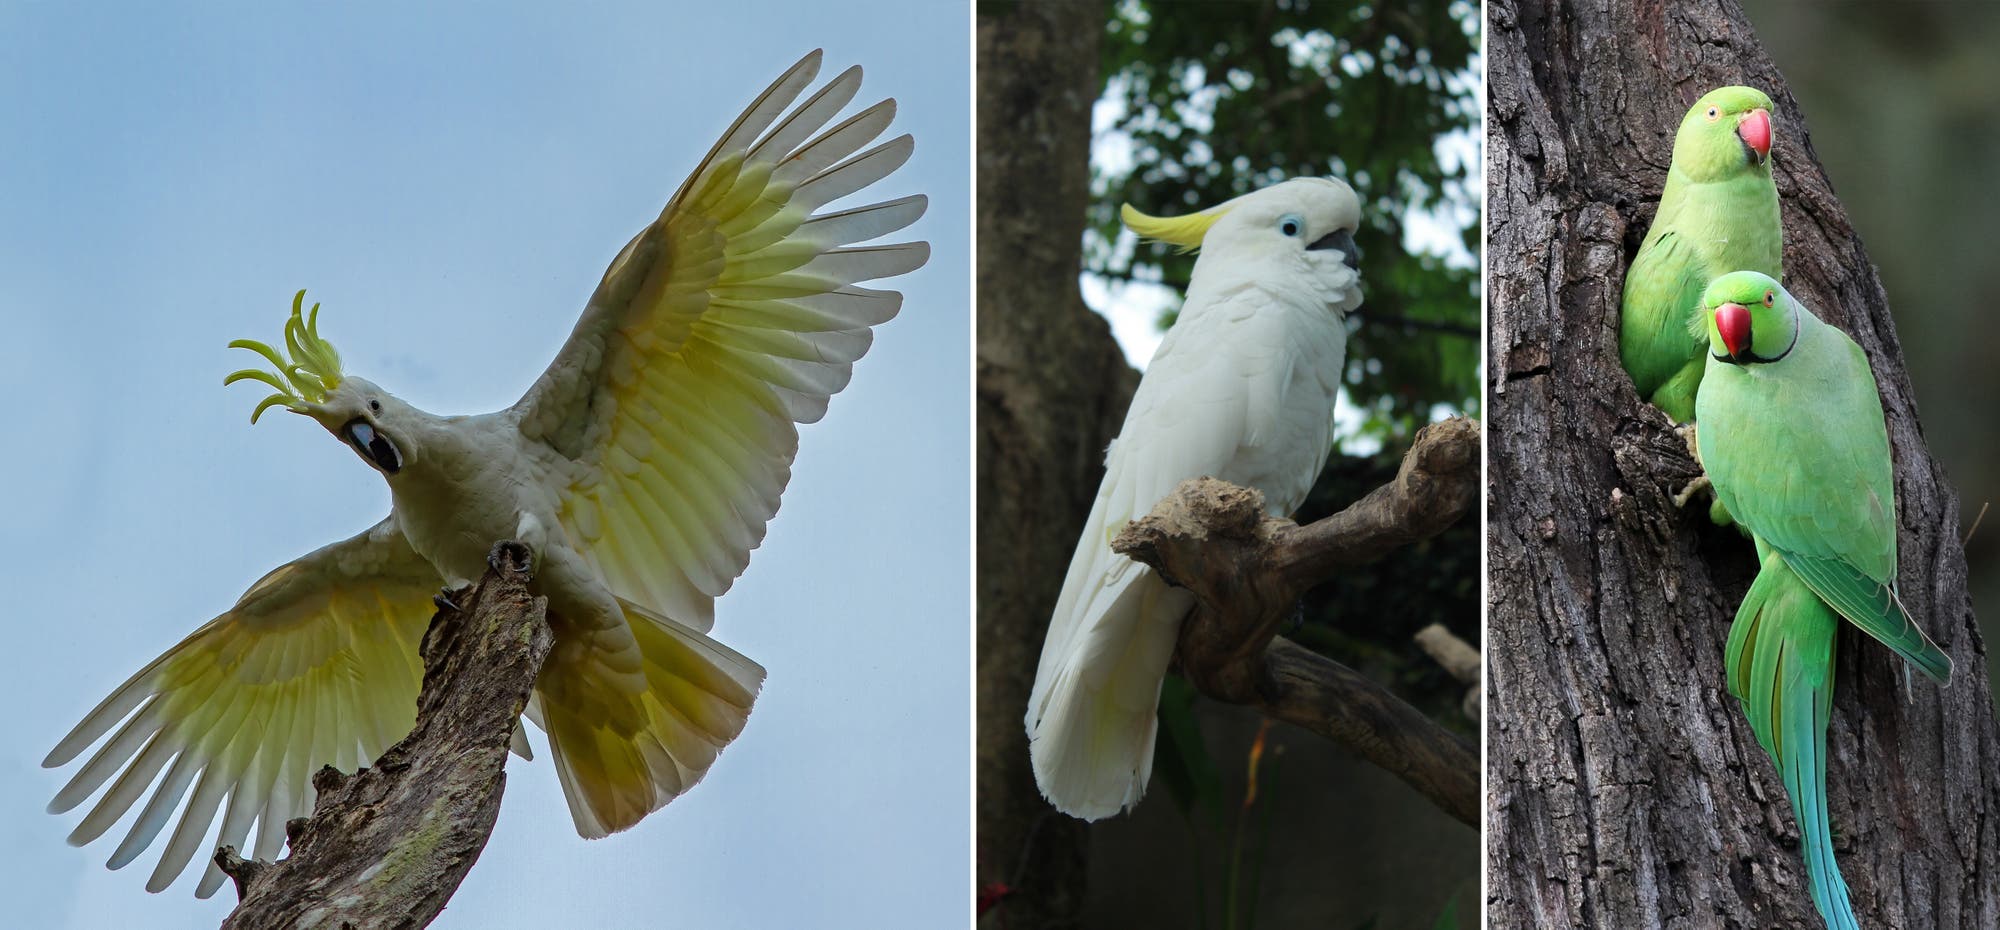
{"points": [[470, 488]]}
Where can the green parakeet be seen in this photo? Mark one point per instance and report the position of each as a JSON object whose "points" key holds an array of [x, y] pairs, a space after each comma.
{"points": [[642, 468], [1241, 388], [1792, 436], [1718, 213]]}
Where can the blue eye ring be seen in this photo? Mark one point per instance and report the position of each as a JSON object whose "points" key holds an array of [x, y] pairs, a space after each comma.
{"points": [[1292, 224]]}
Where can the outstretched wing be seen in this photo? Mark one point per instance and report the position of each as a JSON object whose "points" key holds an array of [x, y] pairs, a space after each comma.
{"points": [[315, 665], [728, 320]]}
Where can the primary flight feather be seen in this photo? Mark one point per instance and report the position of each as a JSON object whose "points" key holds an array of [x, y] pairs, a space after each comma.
{"points": [[1242, 388], [641, 468]]}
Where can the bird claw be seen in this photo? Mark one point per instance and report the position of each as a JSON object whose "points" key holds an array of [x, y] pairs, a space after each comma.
{"points": [[509, 556], [1686, 432], [1698, 485], [444, 602]]}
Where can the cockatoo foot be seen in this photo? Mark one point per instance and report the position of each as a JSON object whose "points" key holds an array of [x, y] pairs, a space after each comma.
{"points": [[508, 555], [443, 601]]}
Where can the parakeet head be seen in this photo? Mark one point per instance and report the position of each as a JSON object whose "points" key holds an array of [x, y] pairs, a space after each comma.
{"points": [[364, 417], [1726, 132], [1751, 319], [1303, 227]]}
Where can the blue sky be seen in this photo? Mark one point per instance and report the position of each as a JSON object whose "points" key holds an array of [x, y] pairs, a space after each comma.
{"points": [[450, 183]]}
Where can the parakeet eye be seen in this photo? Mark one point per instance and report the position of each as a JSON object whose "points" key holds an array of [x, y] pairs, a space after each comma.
{"points": [[1713, 113], [1770, 298], [1292, 224]]}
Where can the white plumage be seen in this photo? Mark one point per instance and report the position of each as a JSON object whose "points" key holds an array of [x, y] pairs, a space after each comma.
{"points": [[1242, 388], [641, 467]]}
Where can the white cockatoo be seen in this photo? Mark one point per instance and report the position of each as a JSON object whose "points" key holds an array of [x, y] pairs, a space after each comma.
{"points": [[641, 468], [1242, 388]]}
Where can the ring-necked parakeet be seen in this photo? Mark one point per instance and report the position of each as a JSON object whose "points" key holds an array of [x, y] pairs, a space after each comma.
{"points": [[641, 468], [1793, 438], [1242, 388], [1718, 213]]}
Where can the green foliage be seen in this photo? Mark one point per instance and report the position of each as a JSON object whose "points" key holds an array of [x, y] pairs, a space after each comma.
{"points": [[1216, 99]]}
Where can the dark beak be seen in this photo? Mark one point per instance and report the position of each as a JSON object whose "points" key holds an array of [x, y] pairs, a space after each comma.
{"points": [[372, 445], [1339, 239]]}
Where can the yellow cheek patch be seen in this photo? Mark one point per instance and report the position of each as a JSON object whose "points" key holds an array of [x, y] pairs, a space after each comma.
{"points": [[311, 372]]}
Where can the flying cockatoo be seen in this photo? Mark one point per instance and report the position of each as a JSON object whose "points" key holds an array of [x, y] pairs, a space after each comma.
{"points": [[1793, 439], [641, 468], [1718, 213], [1242, 388]]}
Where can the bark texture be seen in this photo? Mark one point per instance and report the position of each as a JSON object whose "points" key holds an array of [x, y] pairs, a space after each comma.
{"points": [[1625, 788], [1247, 572], [1051, 390], [387, 846]]}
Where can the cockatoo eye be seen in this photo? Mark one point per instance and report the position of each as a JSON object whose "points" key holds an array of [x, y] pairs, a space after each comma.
{"points": [[1292, 224], [372, 445], [374, 406]]}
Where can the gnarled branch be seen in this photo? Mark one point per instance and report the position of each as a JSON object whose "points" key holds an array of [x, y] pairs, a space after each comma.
{"points": [[387, 846], [1247, 571]]}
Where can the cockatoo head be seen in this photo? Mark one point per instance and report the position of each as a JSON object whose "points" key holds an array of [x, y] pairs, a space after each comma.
{"points": [[1297, 231], [376, 425]]}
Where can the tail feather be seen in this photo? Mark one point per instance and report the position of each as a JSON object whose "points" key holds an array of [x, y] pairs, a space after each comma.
{"points": [[1780, 666], [622, 753], [1093, 719]]}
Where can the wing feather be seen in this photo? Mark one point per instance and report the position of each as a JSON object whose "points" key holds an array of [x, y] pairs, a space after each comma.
{"points": [[715, 332], [315, 665]]}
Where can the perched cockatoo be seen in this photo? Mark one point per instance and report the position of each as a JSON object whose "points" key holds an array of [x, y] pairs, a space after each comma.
{"points": [[1242, 388], [1793, 439], [641, 468], [1718, 213]]}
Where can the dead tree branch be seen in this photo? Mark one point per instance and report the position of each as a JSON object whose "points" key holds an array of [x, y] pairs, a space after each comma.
{"points": [[387, 846], [1459, 660], [1247, 572]]}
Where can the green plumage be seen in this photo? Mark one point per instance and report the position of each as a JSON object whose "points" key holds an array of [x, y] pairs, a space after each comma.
{"points": [[1780, 665], [1792, 436], [1718, 213]]}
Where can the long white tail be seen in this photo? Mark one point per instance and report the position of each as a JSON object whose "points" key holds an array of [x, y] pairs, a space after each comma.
{"points": [[1094, 710]]}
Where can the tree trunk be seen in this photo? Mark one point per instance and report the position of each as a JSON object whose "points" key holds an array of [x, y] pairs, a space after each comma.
{"points": [[387, 846], [1052, 389], [1625, 787]]}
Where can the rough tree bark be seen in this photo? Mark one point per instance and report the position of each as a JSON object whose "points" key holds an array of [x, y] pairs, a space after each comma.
{"points": [[1625, 789], [1051, 389], [387, 846]]}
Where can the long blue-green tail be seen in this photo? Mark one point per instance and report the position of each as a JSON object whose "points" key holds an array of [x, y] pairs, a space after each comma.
{"points": [[1781, 667]]}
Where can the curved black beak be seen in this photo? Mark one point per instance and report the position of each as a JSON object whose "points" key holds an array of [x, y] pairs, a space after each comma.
{"points": [[372, 445], [1339, 239]]}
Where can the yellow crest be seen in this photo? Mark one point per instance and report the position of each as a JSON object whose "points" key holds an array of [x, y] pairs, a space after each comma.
{"points": [[1184, 231], [314, 368]]}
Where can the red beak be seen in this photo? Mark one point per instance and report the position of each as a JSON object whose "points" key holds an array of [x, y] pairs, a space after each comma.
{"points": [[1754, 128], [1733, 322]]}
